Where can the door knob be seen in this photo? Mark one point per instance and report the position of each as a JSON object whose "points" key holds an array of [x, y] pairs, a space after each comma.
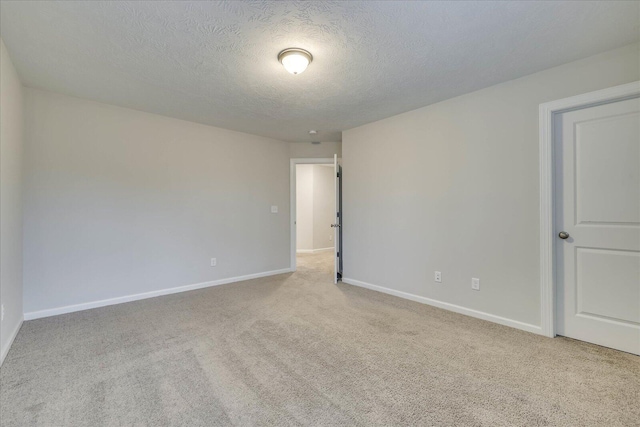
{"points": [[563, 235]]}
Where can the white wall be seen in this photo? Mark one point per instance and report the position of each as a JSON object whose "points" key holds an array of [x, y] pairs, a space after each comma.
{"points": [[315, 203], [304, 208], [120, 202], [305, 150], [453, 187], [11, 148]]}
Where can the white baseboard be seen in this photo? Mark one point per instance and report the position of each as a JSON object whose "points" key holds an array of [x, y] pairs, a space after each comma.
{"points": [[128, 298], [5, 349], [314, 251], [447, 306]]}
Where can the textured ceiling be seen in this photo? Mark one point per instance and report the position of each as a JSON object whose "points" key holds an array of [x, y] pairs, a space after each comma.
{"points": [[215, 62]]}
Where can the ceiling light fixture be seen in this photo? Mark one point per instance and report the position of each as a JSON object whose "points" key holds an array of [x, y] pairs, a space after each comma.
{"points": [[295, 60]]}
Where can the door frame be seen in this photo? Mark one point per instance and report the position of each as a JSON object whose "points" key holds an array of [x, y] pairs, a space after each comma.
{"points": [[292, 200], [548, 231]]}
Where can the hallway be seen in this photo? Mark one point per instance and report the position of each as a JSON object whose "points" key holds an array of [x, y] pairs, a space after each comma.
{"points": [[321, 262]]}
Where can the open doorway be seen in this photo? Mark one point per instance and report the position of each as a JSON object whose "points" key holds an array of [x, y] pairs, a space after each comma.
{"points": [[315, 218], [315, 195]]}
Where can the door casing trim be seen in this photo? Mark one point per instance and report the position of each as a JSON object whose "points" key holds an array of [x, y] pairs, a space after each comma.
{"points": [[547, 111], [292, 201]]}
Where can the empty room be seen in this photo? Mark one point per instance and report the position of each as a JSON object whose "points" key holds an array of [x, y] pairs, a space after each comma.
{"points": [[358, 213]]}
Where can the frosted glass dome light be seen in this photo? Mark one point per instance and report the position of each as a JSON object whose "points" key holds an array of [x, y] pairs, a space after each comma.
{"points": [[295, 60]]}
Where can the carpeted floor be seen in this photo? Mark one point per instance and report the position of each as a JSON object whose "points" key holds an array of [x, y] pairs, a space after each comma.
{"points": [[295, 349]]}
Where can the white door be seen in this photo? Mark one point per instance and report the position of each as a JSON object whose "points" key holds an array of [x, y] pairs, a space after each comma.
{"points": [[337, 226], [598, 224]]}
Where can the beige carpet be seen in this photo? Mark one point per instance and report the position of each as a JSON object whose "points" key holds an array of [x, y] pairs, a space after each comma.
{"points": [[295, 349]]}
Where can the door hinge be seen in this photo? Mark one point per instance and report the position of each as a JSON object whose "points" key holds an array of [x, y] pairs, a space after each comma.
{"points": [[338, 175], [337, 254]]}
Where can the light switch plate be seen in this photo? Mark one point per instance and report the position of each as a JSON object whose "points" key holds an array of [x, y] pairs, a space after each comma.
{"points": [[274, 209]]}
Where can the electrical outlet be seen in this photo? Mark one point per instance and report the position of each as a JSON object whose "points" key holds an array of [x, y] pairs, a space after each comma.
{"points": [[438, 277], [274, 209], [2, 312], [214, 262], [330, 237], [475, 284]]}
